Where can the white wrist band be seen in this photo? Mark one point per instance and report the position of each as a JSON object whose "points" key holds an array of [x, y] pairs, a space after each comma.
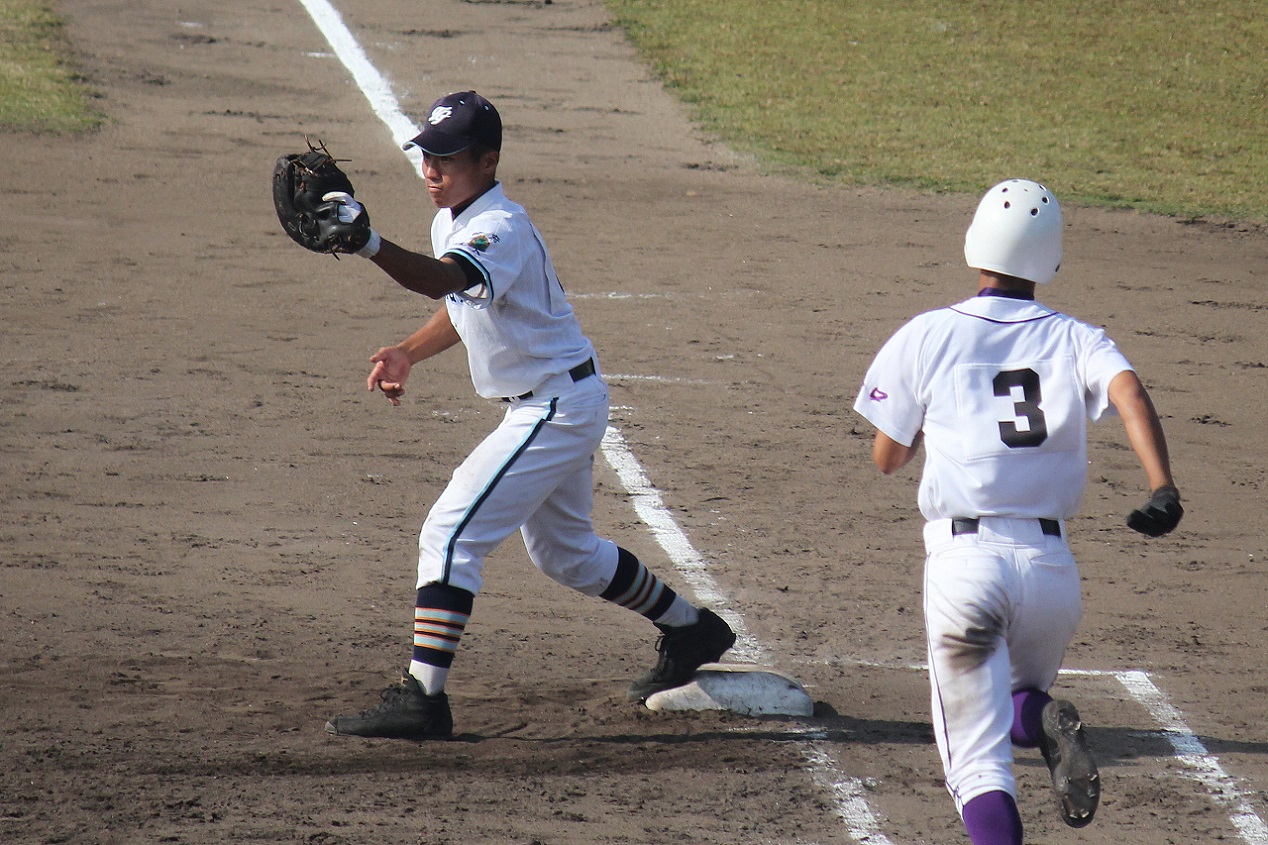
{"points": [[372, 246]]}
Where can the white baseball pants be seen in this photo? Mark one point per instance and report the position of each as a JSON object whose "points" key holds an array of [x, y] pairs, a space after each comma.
{"points": [[1001, 606], [533, 473]]}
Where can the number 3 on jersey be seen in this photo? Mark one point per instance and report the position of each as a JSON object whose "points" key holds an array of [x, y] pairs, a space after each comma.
{"points": [[1017, 408], [1028, 428]]}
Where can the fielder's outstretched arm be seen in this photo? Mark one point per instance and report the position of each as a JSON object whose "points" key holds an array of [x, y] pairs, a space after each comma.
{"points": [[432, 277]]}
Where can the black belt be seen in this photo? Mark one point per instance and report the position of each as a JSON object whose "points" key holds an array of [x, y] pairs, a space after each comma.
{"points": [[969, 524], [584, 370]]}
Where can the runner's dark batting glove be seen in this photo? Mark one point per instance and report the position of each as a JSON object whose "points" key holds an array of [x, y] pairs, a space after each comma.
{"points": [[1159, 515]]}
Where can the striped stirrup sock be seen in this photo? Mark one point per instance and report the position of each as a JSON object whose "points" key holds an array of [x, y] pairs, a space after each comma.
{"points": [[440, 616], [635, 588]]}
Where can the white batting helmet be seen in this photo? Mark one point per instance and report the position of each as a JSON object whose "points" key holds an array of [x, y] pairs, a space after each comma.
{"points": [[1016, 231]]}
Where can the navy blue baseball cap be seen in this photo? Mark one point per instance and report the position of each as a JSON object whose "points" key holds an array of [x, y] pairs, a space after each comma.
{"points": [[456, 122]]}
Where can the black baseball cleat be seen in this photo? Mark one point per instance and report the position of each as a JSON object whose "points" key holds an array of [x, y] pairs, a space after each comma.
{"points": [[683, 650], [1074, 775], [406, 712]]}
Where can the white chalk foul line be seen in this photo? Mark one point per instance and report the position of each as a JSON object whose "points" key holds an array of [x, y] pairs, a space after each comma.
{"points": [[616, 377], [1205, 767], [615, 294], [851, 805], [650, 508], [850, 794], [372, 83]]}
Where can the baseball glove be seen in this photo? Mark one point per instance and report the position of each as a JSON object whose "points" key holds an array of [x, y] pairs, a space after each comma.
{"points": [[313, 198], [1159, 515]]}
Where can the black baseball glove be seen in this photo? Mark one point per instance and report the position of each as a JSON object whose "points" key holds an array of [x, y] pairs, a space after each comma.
{"points": [[1159, 515], [314, 203]]}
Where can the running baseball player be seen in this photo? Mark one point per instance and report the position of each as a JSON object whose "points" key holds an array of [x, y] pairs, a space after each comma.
{"points": [[504, 303], [999, 389]]}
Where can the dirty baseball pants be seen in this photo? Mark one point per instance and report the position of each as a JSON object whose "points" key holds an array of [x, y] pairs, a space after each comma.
{"points": [[1002, 603]]}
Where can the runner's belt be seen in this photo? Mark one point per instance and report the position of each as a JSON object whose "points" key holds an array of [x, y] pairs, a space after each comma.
{"points": [[969, 525]]}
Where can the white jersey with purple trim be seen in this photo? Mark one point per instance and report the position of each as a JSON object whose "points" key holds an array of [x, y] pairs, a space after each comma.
{"points": [[1002, 389], [518, 327]]}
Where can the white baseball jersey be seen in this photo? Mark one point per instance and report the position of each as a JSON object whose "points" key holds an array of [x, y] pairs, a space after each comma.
{"points": [[1002, 389], [518, 327]]}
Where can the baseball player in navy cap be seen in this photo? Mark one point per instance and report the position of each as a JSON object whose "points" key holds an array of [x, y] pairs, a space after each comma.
{"points": [[458, 121], [504, 303], [999, 389]]}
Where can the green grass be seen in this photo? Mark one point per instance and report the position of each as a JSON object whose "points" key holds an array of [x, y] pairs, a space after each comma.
{"points": [[39, 89], [1158, 106]]}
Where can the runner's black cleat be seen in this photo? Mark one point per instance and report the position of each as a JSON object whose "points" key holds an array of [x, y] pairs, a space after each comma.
{"points": [[1074, 775]]}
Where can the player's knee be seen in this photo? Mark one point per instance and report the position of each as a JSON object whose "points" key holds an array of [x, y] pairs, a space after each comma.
{"points": [[577, 571]]}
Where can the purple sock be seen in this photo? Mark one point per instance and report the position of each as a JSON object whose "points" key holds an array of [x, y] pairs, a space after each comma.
{"points": [[1028, 707], [992, 819]]}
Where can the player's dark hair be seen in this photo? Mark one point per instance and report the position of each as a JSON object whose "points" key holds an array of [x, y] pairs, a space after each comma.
{"points": [[478, 150]]}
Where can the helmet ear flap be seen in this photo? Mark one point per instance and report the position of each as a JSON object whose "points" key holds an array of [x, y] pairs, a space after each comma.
{"points": [[1016, 231]]}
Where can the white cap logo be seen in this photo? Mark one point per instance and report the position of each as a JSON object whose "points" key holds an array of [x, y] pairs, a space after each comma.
{"points": [[439, 114]]}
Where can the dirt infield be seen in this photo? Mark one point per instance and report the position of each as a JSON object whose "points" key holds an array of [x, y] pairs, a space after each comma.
{"points": [[208, 522]]}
